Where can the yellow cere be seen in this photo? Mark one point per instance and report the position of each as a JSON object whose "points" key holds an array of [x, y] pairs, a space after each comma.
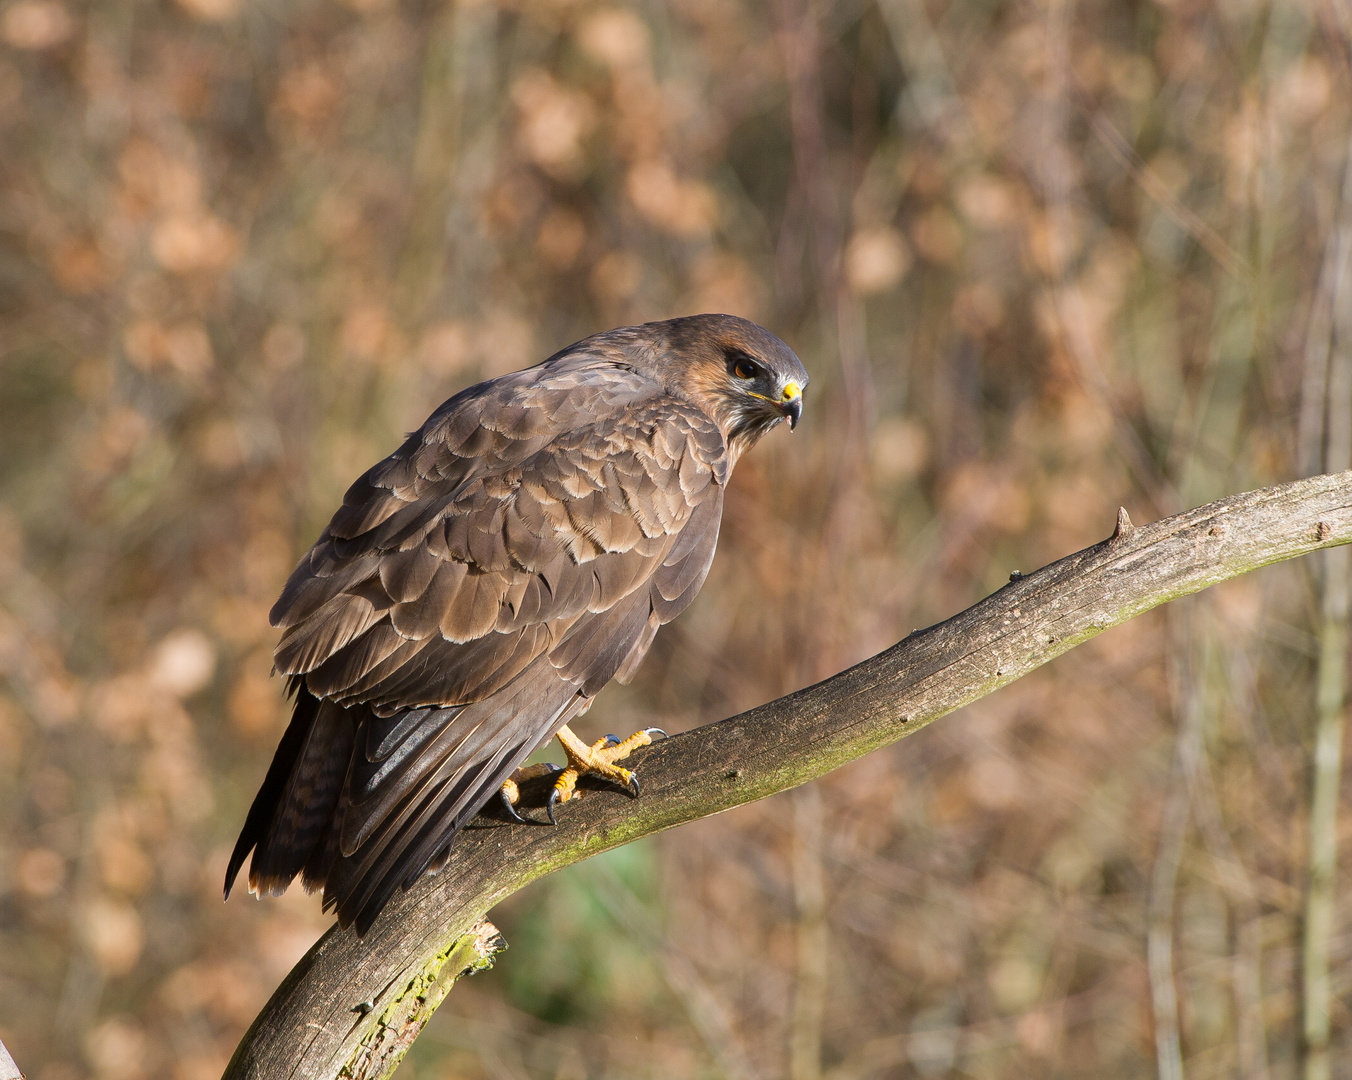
{"points": [[791, 391]]}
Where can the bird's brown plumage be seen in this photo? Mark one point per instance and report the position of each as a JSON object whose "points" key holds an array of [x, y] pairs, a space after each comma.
{"points": [[479, 586]]}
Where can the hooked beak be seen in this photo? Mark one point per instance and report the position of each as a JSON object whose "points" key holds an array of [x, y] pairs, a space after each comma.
{"points": [[791, 404]]}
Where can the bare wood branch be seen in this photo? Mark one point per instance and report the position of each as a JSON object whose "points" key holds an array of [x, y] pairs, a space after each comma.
{"points": [[352, 1006], [8, 1070]]}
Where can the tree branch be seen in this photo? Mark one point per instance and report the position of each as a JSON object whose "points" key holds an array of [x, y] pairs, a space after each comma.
{"points": [[8, 1070], [352, 1006]]}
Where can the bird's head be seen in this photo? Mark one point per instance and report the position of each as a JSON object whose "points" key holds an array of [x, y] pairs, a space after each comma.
{"points": [[737, 372]]}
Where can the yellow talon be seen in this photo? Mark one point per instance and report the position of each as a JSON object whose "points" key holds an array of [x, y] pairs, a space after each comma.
{"points": [[598, 759], [563, 791], [510, 792]]}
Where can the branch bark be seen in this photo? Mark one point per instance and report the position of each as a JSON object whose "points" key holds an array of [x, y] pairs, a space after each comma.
{"points": [[8, 1070], [352, 1006]]}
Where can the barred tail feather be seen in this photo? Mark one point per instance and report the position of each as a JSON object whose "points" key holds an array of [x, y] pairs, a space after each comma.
{"points": [[289, 824]]}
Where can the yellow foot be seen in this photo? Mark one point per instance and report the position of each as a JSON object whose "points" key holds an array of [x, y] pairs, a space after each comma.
{"points": [[598, 759], [511, 790]]}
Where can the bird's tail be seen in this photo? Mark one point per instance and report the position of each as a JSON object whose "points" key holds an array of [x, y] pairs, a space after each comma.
{"points": [[291, 824], [361, 804]]}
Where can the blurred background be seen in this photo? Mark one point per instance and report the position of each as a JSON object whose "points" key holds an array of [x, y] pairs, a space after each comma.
{"points": [[1041, 258]]}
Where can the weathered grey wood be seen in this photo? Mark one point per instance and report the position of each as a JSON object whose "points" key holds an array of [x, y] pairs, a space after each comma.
{"points": [[398, 973], [8, 1070]]}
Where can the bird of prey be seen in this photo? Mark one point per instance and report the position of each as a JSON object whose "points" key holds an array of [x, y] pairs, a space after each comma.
{"points": [[479, 586]]}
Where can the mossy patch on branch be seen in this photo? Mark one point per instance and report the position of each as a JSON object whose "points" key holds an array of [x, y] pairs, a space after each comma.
{"points": [[384, 1046]]}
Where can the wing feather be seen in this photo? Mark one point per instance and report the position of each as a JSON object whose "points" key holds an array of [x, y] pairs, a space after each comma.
{"points": [[595, 648], [638, 650], [423, 616], [385, 735], [317, 580], [346, 667], [406, 655], [308, 644], [406, 574], [691, 555], [474, 611]]}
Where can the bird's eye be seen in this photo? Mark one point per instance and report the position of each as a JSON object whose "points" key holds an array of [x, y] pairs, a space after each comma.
{"points": [[746, 368]]}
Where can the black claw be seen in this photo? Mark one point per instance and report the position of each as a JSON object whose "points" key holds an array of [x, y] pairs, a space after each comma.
{"points": [[613, 740], [553, 802], [511, 810], [634, 785], [651, 731]]}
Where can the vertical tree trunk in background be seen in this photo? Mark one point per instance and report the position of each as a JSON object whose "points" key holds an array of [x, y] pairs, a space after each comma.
{"points": [[1333, 406], [1159, 942], [1328, 760], [1330, 697], [813, 945]]}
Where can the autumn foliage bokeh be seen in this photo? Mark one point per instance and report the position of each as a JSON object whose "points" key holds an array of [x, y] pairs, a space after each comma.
{"points": [[1041, 258]]}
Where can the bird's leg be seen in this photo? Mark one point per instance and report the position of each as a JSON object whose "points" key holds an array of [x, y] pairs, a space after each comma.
{"points": [[510, 791], [598, 759]]}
